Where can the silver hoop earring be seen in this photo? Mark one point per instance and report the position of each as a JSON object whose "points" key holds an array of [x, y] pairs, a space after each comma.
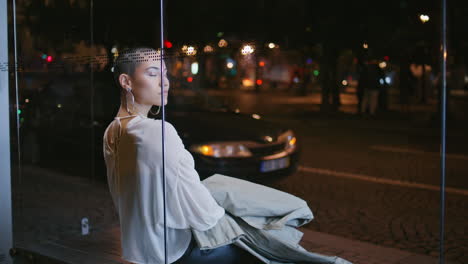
{"points": [[159, 108], [129, 93]]}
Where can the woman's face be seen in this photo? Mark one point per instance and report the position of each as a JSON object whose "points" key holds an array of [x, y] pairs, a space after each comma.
{"points": [[146, 82]]}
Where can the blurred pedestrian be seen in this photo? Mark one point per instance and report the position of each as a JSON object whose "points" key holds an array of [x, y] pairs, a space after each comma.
{"points": [[406, 82], [295, 78], [370, 80], [360, 89]]}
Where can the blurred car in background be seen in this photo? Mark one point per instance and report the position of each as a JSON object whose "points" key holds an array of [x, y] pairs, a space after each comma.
{"points": [[226, 141]]}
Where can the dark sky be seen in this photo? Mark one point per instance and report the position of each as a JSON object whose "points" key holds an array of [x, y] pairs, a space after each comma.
{"points": [[386, 24]]}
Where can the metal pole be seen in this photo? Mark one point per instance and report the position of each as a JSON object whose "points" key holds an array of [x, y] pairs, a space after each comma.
{"points": [[18, 123], [163, 121], [6, 228], [92, 90], [443, 129]]}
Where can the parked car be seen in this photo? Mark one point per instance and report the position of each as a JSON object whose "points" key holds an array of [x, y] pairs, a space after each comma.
{"points": [[226, 141]]}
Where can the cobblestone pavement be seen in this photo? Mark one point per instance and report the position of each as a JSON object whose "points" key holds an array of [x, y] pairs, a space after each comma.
{"points": [[400, 214]]}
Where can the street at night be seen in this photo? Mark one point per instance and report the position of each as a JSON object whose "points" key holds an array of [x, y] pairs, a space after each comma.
{"points": [[239, 132], [370, 180], [363, 187], [378, 180]]}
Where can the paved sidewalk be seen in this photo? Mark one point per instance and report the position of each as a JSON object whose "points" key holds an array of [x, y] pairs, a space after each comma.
{"points": [[58, 239], [104, 247], [360, 252]]}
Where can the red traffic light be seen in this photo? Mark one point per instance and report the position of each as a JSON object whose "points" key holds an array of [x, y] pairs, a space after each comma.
{"points": [[259, 82], [167, 44], [49, 58], [190, 79]]}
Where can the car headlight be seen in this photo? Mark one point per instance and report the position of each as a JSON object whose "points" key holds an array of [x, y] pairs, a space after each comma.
{"points": [[222, 150], [289, 138]]}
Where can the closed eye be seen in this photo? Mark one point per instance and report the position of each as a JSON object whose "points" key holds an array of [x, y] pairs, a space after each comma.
{"points": [[156, 73]]}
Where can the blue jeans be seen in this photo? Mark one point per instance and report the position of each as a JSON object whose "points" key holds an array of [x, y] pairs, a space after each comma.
{"points": [[228, 254]]}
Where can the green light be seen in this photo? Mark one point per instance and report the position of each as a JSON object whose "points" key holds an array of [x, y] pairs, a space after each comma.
{"points": [[19, 111], [220, 34], [44, 56], [233, 72], [316, 72]]}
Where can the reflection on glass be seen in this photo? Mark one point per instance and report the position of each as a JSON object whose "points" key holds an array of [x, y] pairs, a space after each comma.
{"points": [[358, 91]]}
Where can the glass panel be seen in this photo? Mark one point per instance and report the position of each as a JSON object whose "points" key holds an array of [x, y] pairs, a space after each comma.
{"points": [[357, 84], [58, 173], [6, 239], [337, 103]]}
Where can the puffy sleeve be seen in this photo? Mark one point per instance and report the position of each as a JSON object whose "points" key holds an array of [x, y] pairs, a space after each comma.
{"points": [[190, 203]]}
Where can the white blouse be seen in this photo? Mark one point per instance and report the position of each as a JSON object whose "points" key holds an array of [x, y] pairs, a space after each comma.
{"points": [[133, 157]]}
